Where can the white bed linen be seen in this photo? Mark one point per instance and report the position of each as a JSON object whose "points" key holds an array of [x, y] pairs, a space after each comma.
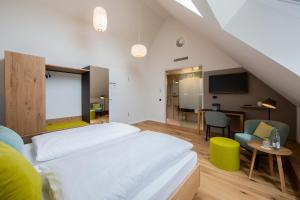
{"points": [[29, 154], [167, 183], [116, 172], [56, 144]]}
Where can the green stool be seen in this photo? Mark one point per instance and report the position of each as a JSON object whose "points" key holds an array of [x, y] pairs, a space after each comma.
{"points": [[92, 114], [225, 153]]}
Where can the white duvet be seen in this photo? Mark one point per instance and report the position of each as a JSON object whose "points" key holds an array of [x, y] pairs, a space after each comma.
{"points": [[56, 144], [116, 172]]}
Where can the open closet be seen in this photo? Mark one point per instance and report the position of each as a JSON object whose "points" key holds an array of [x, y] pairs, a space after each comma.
{"points": [[40, 97]]}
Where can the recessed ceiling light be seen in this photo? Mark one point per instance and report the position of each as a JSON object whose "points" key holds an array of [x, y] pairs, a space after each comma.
{"points": [[189, 5]]}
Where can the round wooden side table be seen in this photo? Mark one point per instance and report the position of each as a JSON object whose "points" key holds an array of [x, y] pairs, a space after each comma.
{"points": [[257, 146]]}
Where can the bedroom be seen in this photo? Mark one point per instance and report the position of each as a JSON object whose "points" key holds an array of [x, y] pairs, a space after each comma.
{"points": [[62, 32]]}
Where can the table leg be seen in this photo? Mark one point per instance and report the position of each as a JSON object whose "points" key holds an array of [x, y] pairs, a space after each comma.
{"points": [[252, 163], [281, 174], [271, 165]]}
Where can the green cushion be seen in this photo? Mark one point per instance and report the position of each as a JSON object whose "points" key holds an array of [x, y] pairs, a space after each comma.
{"points": [[11, 138], [18, 179], [225, 153], [263, 130]]}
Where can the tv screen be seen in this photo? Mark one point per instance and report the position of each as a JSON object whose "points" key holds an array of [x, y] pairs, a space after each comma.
{"points": [[228, 83]]}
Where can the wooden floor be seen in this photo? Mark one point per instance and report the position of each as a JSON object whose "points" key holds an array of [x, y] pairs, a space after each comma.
{"points": [[218, 184]]}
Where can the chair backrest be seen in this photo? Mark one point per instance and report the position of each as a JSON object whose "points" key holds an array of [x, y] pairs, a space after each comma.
{"points": [[283, 129], [96, 105], [214, 118]]}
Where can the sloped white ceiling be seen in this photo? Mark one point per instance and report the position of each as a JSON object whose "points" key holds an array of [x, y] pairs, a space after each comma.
{"points": [[263, 49], [225, 10]]}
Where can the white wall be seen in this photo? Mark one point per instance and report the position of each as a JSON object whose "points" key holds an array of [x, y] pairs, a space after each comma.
{"points": [[63, 95], [62, 32], [162, 53]]}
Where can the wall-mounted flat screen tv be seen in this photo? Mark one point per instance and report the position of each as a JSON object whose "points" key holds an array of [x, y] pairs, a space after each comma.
{"points": [[228, 83]]}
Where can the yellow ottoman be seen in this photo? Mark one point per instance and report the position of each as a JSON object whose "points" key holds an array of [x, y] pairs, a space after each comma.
{"points": [[225, 153], [92, 114]]}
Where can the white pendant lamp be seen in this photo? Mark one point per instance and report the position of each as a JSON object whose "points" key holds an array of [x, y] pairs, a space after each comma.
{"points": [[139, 50], [100, 19]]}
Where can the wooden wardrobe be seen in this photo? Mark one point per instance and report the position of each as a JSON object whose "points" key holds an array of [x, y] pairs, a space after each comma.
{"points": [[24, 93]]}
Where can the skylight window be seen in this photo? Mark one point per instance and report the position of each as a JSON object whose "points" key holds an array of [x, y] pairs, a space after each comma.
{"points": [[189, 5]]}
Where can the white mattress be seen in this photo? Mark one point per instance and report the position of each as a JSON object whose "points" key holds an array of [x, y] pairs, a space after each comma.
{"points": [[161, 188]]}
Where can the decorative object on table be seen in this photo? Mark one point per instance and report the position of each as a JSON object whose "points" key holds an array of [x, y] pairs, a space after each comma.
{"points": [[259, 103], [269, 103], [216, 120], [216, 107], [256, 146], [100, 19], [250, 127], [276, 139], [225, 153], [266, 143]]}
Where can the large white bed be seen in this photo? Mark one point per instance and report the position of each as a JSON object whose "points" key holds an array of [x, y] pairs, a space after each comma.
{"points": [[101, 168]]}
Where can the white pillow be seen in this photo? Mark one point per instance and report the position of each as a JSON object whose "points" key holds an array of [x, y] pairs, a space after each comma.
{"points": [[56, 144]]}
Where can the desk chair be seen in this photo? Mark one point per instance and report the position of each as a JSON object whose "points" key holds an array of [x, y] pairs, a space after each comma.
{"points": [[98, 108], [216, 120]]}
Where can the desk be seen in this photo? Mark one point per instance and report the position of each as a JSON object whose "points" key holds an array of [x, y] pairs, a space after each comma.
{"points": [[239, 114]]}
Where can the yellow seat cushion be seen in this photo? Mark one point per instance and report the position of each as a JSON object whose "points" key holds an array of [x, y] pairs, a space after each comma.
{"points": [[18, 179], [263, 130]]}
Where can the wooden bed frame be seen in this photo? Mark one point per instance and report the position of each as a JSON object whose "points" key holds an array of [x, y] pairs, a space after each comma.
{"points": [[189, 187]]}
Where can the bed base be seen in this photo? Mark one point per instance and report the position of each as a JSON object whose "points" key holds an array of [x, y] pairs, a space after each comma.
{"points": [[189, 187]]}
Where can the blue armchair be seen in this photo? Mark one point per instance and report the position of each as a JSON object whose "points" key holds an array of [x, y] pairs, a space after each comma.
{"points": [[250, 126]]}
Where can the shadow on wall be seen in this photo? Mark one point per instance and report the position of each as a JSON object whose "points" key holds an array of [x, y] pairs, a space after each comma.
{"points": [[2, 91]]}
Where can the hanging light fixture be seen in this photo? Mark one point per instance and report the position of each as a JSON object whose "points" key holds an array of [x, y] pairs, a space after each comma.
{"points": [[139, 50], [100, 19]]}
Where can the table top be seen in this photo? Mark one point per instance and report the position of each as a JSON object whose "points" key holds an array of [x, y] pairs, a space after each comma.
{"points": [[224, 111], [283, 151]]}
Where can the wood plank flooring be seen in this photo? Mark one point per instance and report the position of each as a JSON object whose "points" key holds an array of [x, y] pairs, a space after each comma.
{"points": [[217, 184]]}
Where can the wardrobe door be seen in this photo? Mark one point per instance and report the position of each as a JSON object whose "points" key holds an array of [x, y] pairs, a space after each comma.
{"points": [[25, 93]]}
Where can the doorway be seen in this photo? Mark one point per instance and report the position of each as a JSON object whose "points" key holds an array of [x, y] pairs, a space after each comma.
{"points": [[184, 96]]}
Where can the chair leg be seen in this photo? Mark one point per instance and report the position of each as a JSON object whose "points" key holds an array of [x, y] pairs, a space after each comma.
{"points": [[229, 132], [209, 131], [223, 132]]}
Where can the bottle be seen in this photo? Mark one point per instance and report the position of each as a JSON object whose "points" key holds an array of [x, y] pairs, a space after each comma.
{"points": [[276, 140]]}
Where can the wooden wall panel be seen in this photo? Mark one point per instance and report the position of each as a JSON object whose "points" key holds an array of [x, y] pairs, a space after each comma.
{"points": [[25, 93]]}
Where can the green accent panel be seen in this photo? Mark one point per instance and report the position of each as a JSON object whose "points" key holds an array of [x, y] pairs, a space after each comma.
{"points": [[65, 125], [18, 179], [225, 153]]}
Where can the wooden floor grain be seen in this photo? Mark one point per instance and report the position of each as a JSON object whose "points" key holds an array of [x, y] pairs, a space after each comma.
{"points": [[217, 184]]}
